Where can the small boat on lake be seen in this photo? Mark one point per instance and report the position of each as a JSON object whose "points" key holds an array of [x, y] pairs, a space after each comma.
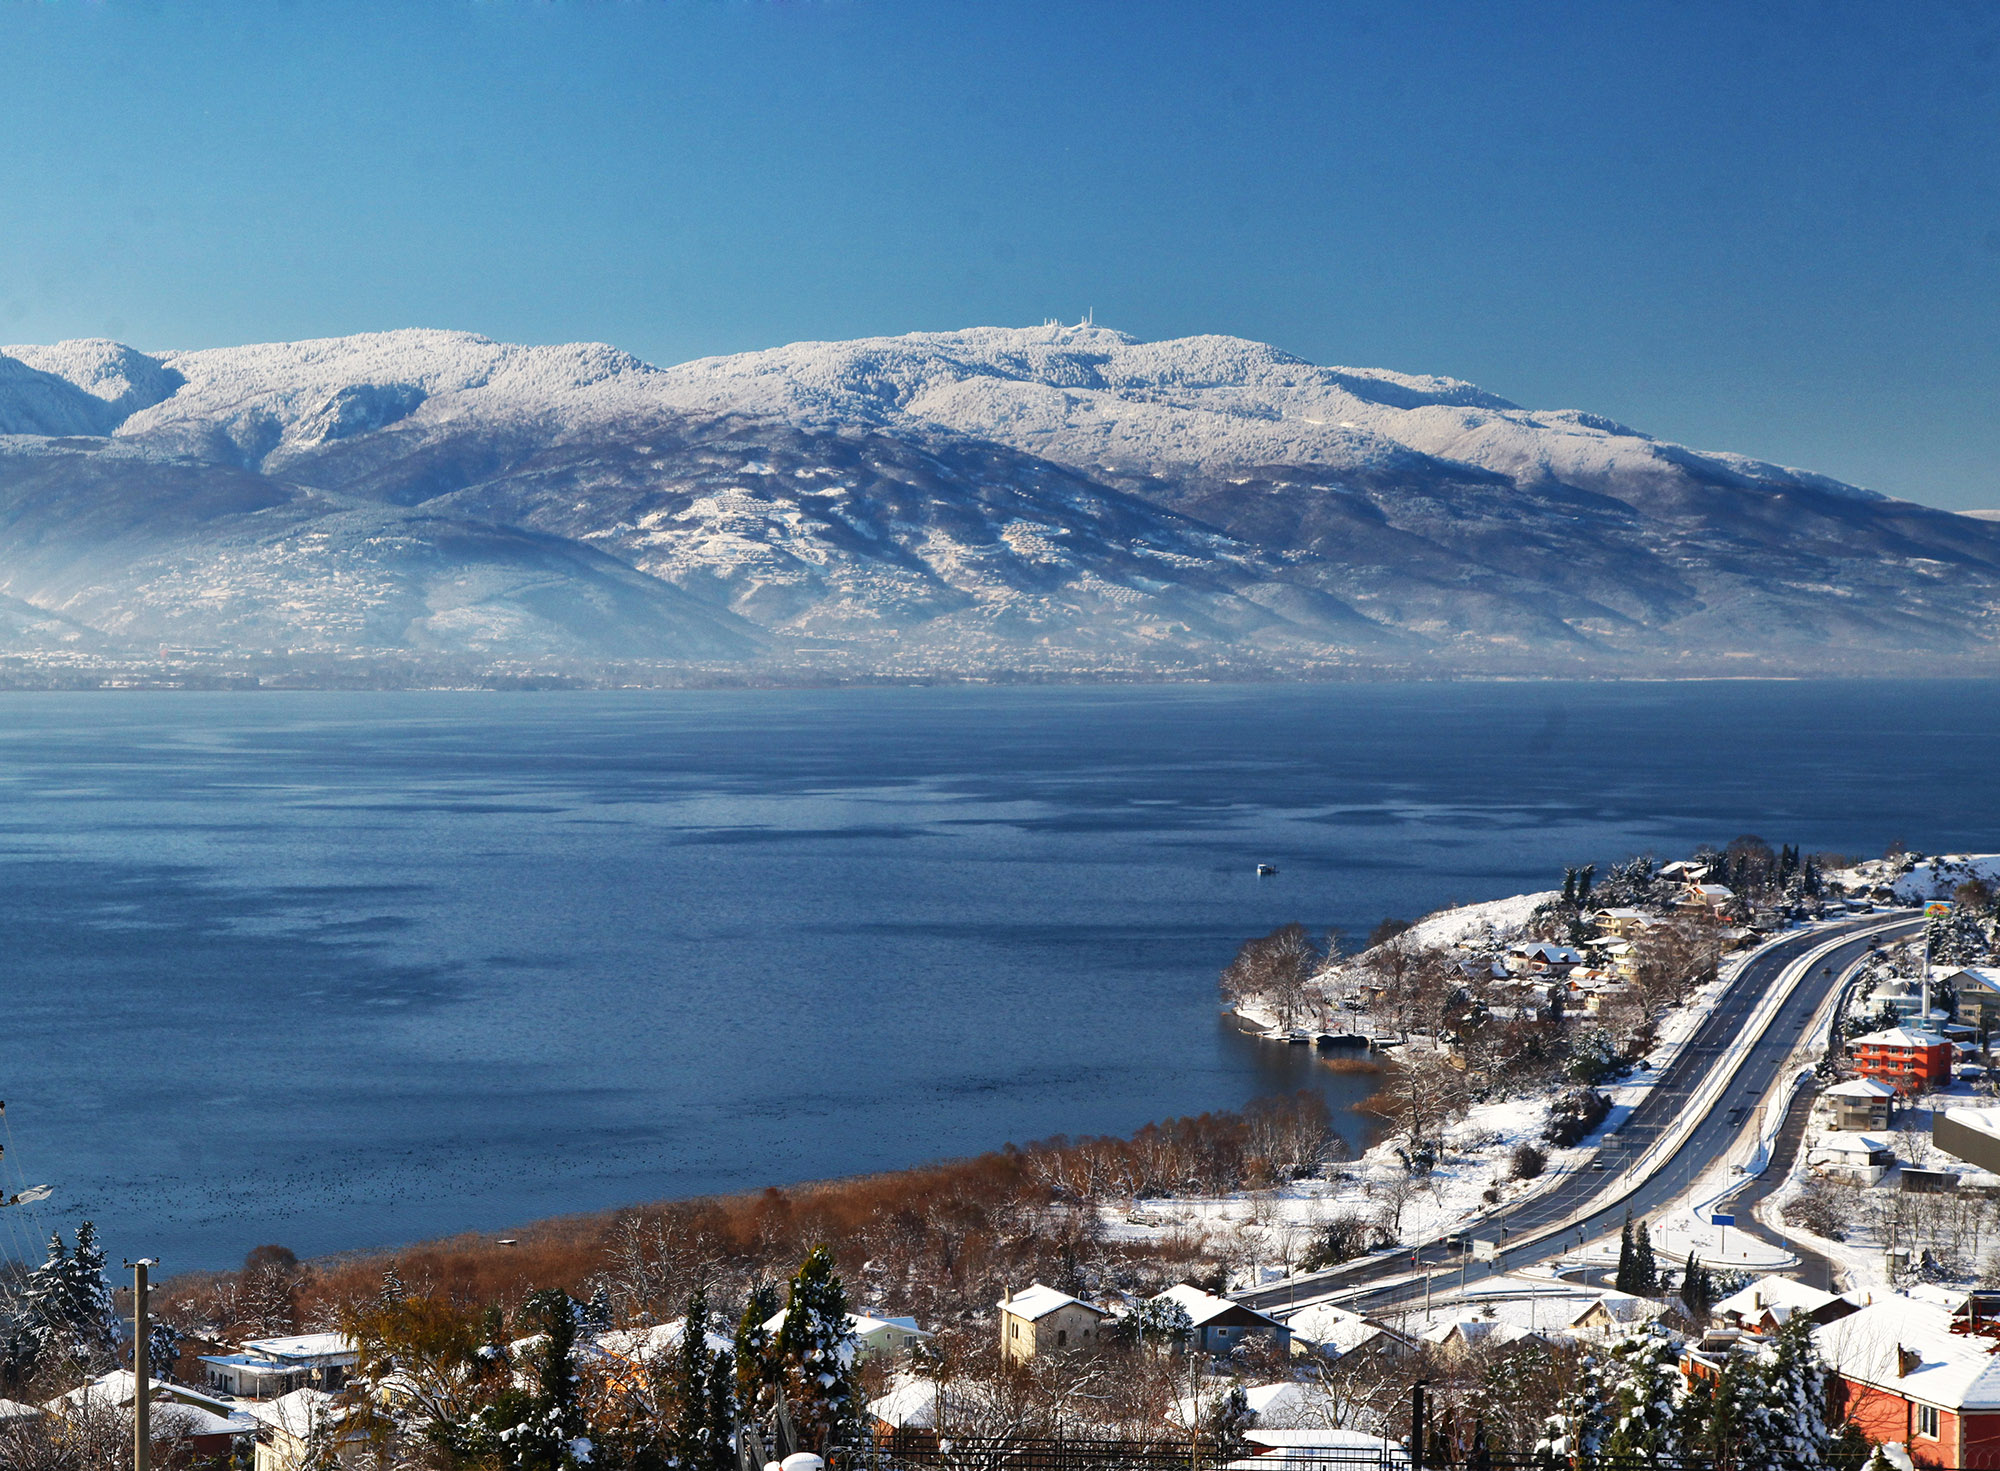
{"points": [[1265, 870]]}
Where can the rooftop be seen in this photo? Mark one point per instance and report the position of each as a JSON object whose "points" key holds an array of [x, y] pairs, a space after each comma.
{"points": [[1861, 1088], [303, 1346], [1899, 1037], [1040, 1300], [1774, 1292], [1937, 1366]]}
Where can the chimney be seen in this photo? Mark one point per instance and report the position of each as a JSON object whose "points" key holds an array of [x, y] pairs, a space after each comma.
{"points": [[1908, 1361]]}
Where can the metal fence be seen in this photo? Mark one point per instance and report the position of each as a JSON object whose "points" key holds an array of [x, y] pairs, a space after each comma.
{"points": [[907, 1450]]}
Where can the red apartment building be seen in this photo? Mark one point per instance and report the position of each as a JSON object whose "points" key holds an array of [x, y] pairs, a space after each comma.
{"points": [[1910, 1062]]}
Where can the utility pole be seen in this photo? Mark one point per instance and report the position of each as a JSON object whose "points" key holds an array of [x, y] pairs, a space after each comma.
{"points": [[142, 1389]]}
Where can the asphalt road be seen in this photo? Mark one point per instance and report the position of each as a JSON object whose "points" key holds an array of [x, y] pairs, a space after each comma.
{"points": [[1592, 1189]]}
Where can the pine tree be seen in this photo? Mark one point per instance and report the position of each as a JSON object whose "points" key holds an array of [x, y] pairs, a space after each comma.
{"points": [[597, 1312], [1645, 1401], [1697, 1289], [1622, 1282], [1575, 1433], [163, 1351], [66, 1305], [1645, 1270], [722, 1410], [1795, 1393], [755, 1367], [697, 1433], [815, 1353]]}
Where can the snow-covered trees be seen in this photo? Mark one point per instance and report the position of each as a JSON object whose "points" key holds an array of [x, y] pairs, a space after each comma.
{"points": [[1766, 1410], [814, 1350], [65, 1315]]}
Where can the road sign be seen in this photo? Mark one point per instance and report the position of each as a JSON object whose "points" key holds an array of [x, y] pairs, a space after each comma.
{"points": [[1722, 1220], [1484, 1250], [1938, 909]]}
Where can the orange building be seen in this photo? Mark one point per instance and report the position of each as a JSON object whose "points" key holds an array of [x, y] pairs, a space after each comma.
{"points": [[1910, 1062], [1903, 1375]]}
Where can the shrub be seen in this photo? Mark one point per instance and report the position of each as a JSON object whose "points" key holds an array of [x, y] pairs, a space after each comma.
{"points": [[1341, 1239], [1529, 1161]]}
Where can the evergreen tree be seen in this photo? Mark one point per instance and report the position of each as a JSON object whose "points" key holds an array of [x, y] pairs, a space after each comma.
{"points": [[1224, 1424], [1575, 1433], [722, 1410], [1624, 1279], [597, 1312], [1795, 1397], [1645, 1400], [66, 1306], [815, 1353], [699, 1437], [755, 1365], [1645, 1270], [1697, 1289], [163, 1351]]}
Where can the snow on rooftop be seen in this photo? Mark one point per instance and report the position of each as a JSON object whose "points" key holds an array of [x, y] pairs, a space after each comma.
{"points": [[1984, 1120], [643, 1345], [303, 1346], [1040, 1300], [1861, 1088], [1774, 1292], [1204, 1306], [1877, 1345], [1899, 1037]]}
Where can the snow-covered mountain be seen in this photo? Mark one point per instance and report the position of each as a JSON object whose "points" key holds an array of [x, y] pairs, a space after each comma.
{"points": [[1055, 499]]}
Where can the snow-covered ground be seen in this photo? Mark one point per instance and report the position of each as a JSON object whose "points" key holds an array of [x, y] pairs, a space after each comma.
{"points": [[1276, 1227], [1930, 878]]}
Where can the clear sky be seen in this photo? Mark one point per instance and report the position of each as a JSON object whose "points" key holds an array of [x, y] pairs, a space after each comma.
{"points": [[1768, 227]]}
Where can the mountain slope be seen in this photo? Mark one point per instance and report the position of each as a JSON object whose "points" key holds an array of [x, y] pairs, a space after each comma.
{"points": [[1058, 499]]}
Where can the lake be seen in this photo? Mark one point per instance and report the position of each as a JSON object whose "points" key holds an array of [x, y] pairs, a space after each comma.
{"points": [[337, 970]]}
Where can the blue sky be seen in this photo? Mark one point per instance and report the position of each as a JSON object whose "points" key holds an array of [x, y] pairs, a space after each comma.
{"points": [[1770, 228]]}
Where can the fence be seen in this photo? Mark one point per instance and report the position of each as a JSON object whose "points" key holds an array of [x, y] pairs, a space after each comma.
{"points": [[915, 1450]]}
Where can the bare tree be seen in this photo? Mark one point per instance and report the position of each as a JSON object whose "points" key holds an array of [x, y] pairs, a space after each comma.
{"points": [[1422, 1093], [1277, 969]]}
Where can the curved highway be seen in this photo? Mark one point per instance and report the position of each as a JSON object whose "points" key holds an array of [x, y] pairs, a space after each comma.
{"points": [[1598, 1190]]}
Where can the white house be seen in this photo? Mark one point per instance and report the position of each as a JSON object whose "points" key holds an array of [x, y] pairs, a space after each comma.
{"points": [[873, 1337], [1859, 1103], [1858, 1156], [265, 1368], [1334, 1333], [298, 1430]]}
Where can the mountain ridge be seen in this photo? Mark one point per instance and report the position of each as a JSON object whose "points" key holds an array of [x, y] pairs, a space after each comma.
{"points": [[1057, 501]]}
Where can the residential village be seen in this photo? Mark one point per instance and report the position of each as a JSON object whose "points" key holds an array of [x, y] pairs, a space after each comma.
{"points": [[1094, 1293]]}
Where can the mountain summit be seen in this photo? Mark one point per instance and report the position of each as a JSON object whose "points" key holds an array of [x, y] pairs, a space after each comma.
{"points": [[1044, 501]]}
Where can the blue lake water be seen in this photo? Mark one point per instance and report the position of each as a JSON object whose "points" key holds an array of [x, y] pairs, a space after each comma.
{"points": [[336, 970]]}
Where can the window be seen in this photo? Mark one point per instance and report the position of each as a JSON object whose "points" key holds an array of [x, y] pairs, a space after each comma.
{"points": [[1013, 1330], [1927, 1421], [1062, 1337]]}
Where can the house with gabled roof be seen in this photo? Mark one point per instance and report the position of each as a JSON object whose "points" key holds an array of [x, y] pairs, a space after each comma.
{"points": [[1043, 1320], [1767, 1304], [1220, 1324], [1913, 1372], [1859, 1103]]}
